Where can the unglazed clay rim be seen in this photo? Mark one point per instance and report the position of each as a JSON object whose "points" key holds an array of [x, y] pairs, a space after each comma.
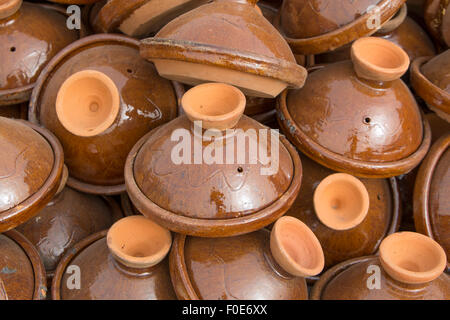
{"points": [[428, 91], [31, 206], [40, 279], [33, 111], [275, 243], [132, 261], [211, 227], [356, 220], [23, 94], [288, 72], [395, 21], [68, 257], [330, 274], [331, 40], [422, 186], [337, 162], [419, 277]]}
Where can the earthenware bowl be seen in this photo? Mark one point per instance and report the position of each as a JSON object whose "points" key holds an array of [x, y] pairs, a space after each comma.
{"points": [[362, 239], [67, 219], [30, 34], [219, 197], [122, 98], [431, 193], [139, 18], [437, 19], [360, 119], [410, 267], [430, 78], [261, 265], [225, 41], [30, 171], [313, 26], [125, 263], [22, 271]]}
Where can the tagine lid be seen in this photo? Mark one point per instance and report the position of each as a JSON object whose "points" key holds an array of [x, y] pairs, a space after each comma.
{"points": [[30, 37], [430, 78], [225, 40], [431, 205], [104, 278], [343, 120], [383, 216], [140, 17], [230, 194], [23, 273], [313, 26], [30, 170], [142, 100]]}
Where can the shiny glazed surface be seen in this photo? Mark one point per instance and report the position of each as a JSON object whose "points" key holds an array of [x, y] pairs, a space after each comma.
{"points": [[437, 70]]}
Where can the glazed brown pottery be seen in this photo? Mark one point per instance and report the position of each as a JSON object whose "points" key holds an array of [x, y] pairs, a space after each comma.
{"points": [[382, 219], [140, 18], [236, 192], [358, 118], [127, 206], [67, 219], [31, 168], [410, 267], [316, 26], [430, 78], [126, 263], [15, 111], [247, 266], [21, 269], [225, 41], [437, 19], [117, 97], [74, 1], [30, 36], [3, 295], [431, 194]]}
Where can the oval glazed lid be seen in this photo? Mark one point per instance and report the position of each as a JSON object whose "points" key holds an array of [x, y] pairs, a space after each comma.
{"points": [[139, 18], [351, 125], [30, 38], [430, 78], [431, 192], [30, 170], [373, 18], [225, 41]]}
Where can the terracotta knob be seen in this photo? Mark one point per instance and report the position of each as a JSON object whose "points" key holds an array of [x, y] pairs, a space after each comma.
{"points": [[87, 103], [218, 105], [341, 201], [9, 7], [378, 59], [138, 242], [412, 258], [295, 247]]}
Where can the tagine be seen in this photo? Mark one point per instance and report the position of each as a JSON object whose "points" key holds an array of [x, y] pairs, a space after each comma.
{"points": [[99, 97], [359, 117], [261, 265], [409, 267], [437, 18], [127, 262], [221, 186]]}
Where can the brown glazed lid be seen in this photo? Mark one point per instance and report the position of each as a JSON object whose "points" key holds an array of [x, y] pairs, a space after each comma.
{"points": [[382, 219], [30, 34], [410, 267], [358, 118], [30, 170], [437, 18], [75, 1], [125, 263], [247, 267], [140, 18], [119, 98], [316, 26], [431, 194], [67, 219], [21, 269], [430, 78], [3, 295], [225, 41], [227, 194]]}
